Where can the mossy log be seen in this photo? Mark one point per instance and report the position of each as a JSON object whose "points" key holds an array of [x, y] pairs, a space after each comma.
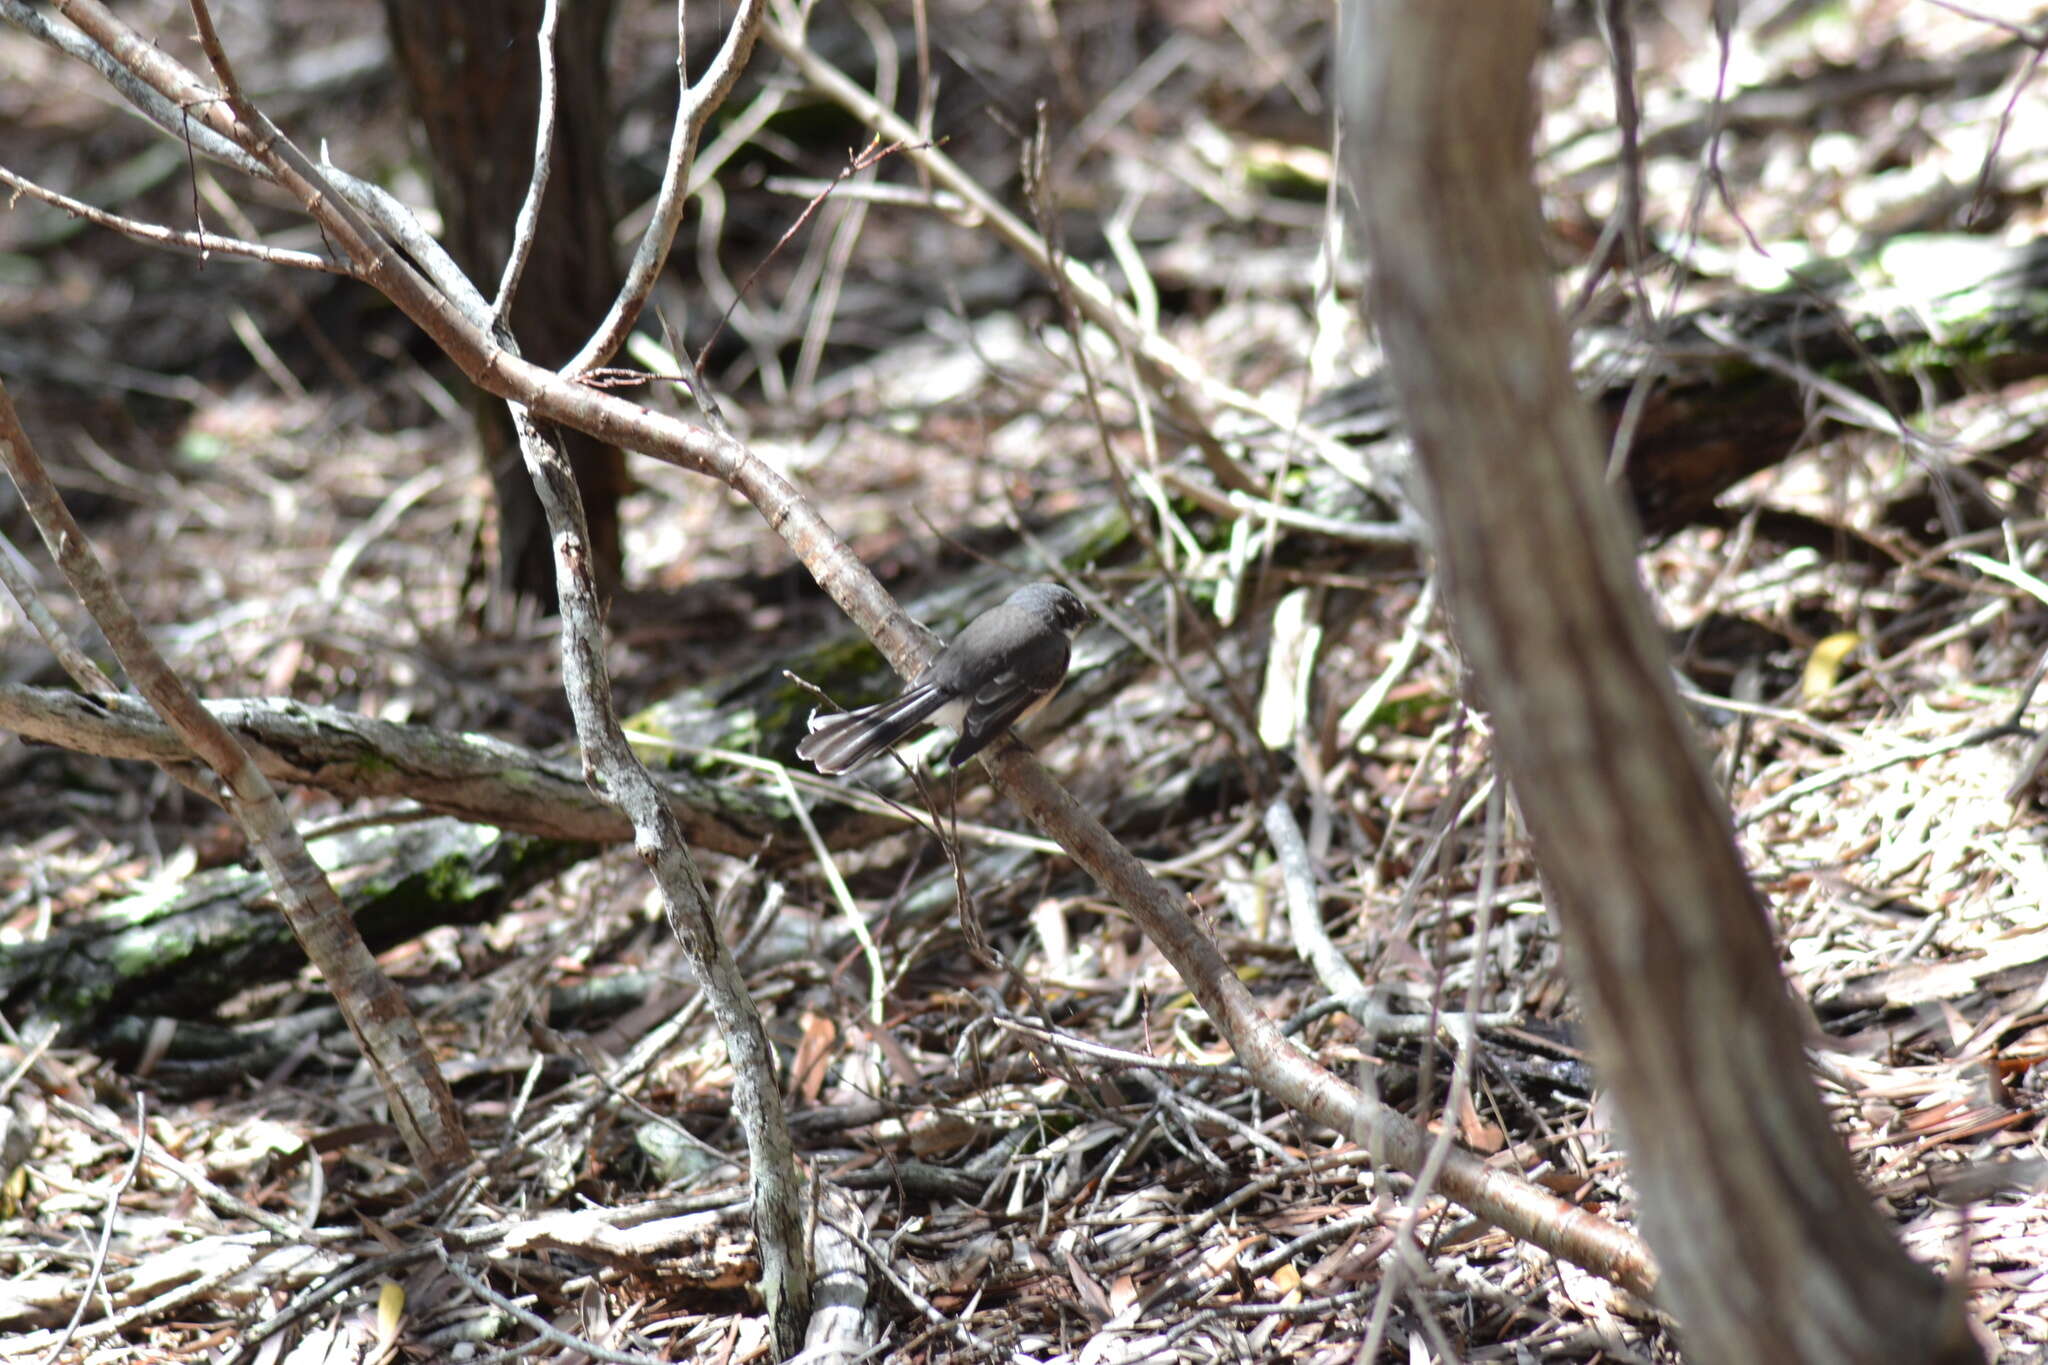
{"points": [[179, 947]]}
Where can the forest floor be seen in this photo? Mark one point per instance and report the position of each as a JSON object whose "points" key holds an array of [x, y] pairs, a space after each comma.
{"points": [[285, 481]]}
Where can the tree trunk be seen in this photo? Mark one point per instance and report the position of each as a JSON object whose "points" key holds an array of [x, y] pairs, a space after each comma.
{"points": [[472, 73], [1769, 1249]]}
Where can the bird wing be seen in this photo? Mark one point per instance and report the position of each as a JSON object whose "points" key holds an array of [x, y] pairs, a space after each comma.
{"points": [[997, 704]]}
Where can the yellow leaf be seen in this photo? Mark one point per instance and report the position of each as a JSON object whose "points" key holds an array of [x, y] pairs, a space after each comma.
{"points": [[1824, 665], [390, 1309], [13, 1191]]}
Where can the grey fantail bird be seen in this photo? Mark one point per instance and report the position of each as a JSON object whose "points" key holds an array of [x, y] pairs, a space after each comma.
{"points": [[1008, 662]]}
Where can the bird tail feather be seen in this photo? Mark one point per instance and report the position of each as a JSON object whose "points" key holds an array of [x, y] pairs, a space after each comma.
{"points": [[839, 744]]}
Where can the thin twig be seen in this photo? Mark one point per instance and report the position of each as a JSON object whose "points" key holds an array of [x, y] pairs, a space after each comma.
{"points": [[1234, 504], [1175, 373], [1120, 1056], [1834, 777], [155, 234], [861, 162], [75, 661], [528, 221], [1461, 1070], [837, 254], [1236, 717], [547, 1330], [1304, 906], [856, 924], [215, 1197], [99, 1255], [693, 110]]}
